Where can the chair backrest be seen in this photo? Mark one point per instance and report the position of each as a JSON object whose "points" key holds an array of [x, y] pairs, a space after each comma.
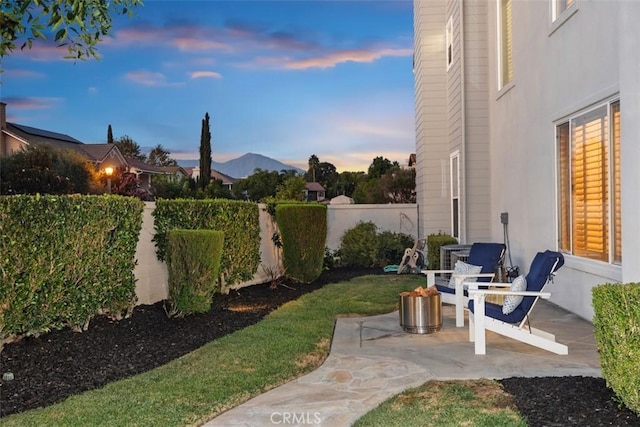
{"points": [[544, 264], [488, 255]]}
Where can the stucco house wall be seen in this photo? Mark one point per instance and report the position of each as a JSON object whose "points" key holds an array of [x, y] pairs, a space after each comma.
{"points": [[560, 68]]}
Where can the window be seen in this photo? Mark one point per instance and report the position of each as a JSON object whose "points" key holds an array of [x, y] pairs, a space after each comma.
{"points": [[454, 171], [559, 6], [589, 216], [505, 65], [449, 42]]}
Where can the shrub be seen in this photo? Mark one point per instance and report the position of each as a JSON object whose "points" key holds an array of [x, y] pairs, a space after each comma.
{"points": [[617, 330], [193, 262], [41, 169], [239, 220], [303, 231], [65, 259], [359, 246], [392, 246], [434, 241]]}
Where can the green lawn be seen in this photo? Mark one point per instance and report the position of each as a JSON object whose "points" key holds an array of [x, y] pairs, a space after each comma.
{"points": [[291, 341]]}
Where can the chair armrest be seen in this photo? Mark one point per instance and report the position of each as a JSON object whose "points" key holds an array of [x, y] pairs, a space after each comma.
{"points": [[474, 292], [435, 271], [467, 276], [476, 285]]}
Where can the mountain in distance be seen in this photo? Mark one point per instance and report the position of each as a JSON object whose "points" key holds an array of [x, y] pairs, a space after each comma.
{"points": [[244, 165]]}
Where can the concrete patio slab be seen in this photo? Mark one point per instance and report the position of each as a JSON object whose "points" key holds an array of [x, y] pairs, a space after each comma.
{"points": [[372, 359]]}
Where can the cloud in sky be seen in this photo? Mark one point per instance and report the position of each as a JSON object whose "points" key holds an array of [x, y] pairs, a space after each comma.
{"points": [[205, 74], [283, 79]]}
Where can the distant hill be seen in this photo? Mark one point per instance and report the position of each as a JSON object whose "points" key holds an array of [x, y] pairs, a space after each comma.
{"points": [[244, 165]]}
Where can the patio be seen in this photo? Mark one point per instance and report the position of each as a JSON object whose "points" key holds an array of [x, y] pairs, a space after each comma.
{"points": [[372, 358]]}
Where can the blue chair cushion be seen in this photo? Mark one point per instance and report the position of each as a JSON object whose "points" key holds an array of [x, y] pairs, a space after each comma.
{"points": [[488, 255]]}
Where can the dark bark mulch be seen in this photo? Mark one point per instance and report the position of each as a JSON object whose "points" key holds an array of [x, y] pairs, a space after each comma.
{"points": [[52, 367]]}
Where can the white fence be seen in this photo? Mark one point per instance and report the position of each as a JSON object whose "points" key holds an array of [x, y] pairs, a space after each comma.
{"points": [[152, 276]]}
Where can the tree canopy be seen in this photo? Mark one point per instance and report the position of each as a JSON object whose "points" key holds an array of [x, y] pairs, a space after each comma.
{"points": [[77, 25], [158, 156], [129, 148], [205, 153]]}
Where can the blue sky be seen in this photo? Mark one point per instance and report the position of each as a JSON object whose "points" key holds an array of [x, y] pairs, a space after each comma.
{"points": [[285, 79]]}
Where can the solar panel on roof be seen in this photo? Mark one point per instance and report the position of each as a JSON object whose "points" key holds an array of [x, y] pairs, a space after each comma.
{"points": [[46, 134]]}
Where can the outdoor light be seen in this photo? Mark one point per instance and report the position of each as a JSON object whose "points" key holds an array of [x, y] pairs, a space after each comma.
{"points": [[109, 172]]}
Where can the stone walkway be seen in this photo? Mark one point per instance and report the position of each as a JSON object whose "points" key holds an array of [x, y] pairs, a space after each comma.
{"points": [[372, 359]]}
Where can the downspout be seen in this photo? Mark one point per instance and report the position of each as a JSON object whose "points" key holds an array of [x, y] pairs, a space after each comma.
{"points": [[463, 130]]}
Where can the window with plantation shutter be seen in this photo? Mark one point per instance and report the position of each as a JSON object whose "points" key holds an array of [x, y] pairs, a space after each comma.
{"points": [[505, 43], [589, 184]]}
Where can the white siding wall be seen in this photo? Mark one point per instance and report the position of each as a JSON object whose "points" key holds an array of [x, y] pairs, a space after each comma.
{"points": [[477, 161], [555, 74], [432, 144]]}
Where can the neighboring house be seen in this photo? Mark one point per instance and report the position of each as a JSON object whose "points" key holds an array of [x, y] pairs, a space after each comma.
{"points": [[175, 173], [227, 181], [15, 137], [314, 192], [531, 108]]}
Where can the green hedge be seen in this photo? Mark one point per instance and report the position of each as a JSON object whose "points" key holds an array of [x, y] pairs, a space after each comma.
{"points": [[359, 246], [617, 329], [193, 262], [434, 241], [303, 231], [239, 221], [65, 259]]}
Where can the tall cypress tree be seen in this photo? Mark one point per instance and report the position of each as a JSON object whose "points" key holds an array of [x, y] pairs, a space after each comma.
{"points": [[109, 135], [205, 153]]}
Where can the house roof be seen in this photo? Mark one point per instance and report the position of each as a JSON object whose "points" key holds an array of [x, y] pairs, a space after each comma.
{"points": [[314, 186], [226, 179], [98, 152], [174, 170], [40, 135], [143, 167]]}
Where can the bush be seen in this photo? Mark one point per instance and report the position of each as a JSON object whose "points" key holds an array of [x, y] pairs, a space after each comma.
{"points": [[193, 262], [239, 220], [617, 329], [65, 259], [359, 246], [434, 241], [303, 232], [392, 246], [41, 169]]}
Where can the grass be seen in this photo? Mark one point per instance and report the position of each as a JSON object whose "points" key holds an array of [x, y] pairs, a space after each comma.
{"points": [[290, 342], [475, 403]]}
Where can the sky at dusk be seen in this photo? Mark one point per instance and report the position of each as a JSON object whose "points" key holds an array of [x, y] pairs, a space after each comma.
{"points": [[285, 79]]}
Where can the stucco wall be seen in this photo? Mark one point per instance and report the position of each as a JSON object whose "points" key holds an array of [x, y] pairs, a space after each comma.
{"points": [[393, 217], [558, 71], [152, 276]]}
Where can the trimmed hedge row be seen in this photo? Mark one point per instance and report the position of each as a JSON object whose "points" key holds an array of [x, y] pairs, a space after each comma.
{"points": [[239, 220], [617, 329], [65, 259], [193, 262], [303, 231]]}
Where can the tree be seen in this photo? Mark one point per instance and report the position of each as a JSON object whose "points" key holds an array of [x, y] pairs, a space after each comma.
{"points": [[292, 188], [158, 156], [258, 186], [129, 148], [369, 191], [205, 153], [46, 170], [380, 166], [346, 183], [109, 135], [79, 26], [327, 176], [313, 168], [399, 185]]}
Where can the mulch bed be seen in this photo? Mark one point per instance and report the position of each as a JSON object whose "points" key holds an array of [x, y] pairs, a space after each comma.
{"points": [[52, 367]]}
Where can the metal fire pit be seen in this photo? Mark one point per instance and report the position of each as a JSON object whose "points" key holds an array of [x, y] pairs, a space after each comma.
{"points": [[420, 315]]}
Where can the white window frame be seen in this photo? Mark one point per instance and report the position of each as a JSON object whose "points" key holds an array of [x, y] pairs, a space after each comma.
{"points": [[454, 180], [560, 8], [610, 225], [449, 43]]}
